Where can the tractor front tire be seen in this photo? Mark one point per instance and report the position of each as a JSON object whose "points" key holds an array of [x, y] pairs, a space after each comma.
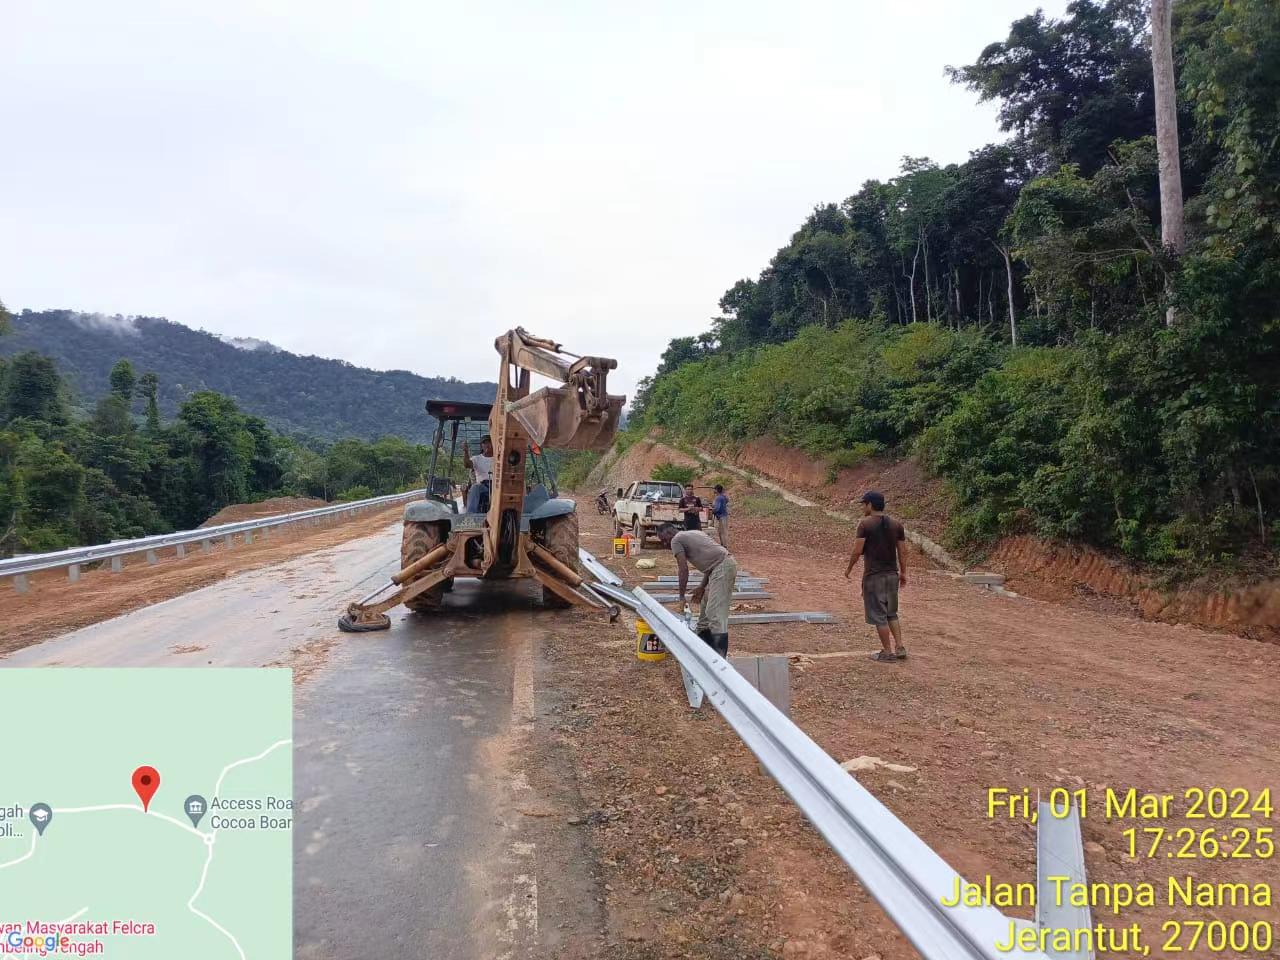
{"points": [[560, 537], [416, 542]]}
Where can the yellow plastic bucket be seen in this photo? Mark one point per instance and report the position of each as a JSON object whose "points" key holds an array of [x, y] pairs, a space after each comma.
{"points": [[649, 647]]}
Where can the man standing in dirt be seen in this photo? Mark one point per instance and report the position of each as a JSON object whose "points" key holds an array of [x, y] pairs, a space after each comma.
{"points": [[691, 504], [713, 595], [882, 543], [720, 514]]}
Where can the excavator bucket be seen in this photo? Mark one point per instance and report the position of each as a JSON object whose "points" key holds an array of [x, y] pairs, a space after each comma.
{"points": [[558, 417]]}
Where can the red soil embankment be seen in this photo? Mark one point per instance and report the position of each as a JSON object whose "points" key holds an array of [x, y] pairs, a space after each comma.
{"points": [[263, 508], [1038, 568], [1055, 571]]}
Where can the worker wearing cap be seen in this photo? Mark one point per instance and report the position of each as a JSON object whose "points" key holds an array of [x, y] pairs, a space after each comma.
{"points": [[881, 542], [713, 595]]}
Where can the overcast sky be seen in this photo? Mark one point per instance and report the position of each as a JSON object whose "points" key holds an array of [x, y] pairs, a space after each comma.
{"points": [[397, 183]]}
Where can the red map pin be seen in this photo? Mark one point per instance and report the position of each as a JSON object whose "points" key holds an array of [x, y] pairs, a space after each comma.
{"points": [[146, 781]]}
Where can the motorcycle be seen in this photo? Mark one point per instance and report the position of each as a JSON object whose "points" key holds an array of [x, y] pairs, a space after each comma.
{"points": [[602, 503]]}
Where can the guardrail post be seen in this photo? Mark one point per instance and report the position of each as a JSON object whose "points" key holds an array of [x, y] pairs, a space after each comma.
{"points": [[151, 557], [117, 564], [226, 541], [73, 572], [771, 675], [181, 550], [206, 546], [20, 583], [248, 536]]}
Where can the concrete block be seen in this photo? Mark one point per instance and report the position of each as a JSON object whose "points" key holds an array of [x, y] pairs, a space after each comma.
{"points": [[983, 578], [73, 572]]}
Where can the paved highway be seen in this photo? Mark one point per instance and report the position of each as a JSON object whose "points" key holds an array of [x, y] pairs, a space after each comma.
{"points": [[410, 745]]}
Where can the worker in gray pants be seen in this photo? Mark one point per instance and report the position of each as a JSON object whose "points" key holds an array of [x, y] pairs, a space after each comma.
{"points": [[719, 572]]}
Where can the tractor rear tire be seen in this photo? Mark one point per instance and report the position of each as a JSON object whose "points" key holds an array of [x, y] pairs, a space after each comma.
{"points": [[416, 542], [560, 537]]}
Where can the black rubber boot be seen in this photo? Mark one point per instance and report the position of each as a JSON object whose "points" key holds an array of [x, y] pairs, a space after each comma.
{"points": [[720, 643], [706, 637]]}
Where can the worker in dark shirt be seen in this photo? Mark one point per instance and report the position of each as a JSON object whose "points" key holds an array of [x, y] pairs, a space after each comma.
{"points": [[881, 542], [692, 507]]}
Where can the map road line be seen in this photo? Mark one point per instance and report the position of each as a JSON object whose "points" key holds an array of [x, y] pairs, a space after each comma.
{"points": [[77, 915], [133, 806], [191, 905], [211, 838], [26, 856], [231, 766]]}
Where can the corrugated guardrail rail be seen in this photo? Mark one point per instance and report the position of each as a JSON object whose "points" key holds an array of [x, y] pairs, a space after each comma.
{"points": [[73, 559], [906, 877]]}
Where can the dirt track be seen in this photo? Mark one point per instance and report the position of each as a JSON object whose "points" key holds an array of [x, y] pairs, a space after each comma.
{"points": [[709, 859], [54, 605]]}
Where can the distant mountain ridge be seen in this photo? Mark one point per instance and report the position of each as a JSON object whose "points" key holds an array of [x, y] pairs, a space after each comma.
{"points": [[303, 395]]}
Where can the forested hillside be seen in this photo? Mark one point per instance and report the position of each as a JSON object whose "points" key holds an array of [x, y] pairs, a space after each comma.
{"points": [[122, 471], [1075, 352], [308, 396]]}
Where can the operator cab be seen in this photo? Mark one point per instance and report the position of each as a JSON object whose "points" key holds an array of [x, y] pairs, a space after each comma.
{"points": [[449, 480]]}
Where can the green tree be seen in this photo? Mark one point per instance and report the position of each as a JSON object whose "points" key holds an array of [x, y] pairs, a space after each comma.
{"points": [[149, 390], [33, 390], [1070, 87], [123, 380]]}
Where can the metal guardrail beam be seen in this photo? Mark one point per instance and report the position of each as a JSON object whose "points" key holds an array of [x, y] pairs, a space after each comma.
{"points": [[598, 569], [737, 595], [18, 567], [906, 877]]}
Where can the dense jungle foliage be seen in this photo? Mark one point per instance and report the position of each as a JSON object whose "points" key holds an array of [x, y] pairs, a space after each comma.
{"points": [[1016, 321], [122, 471]]}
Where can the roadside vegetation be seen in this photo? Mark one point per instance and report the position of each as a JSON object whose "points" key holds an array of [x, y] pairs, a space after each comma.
{"points": [[1071, 361], [68, 479]]}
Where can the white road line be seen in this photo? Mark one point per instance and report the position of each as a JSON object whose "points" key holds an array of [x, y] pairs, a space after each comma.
{"points": [[104, 806], [191, 905], [133, 806], [231, 766], [76, 916], [25, 856], [212, 838]]}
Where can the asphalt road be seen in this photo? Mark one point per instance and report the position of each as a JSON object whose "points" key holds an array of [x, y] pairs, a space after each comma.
{"points": [[409, 747]]}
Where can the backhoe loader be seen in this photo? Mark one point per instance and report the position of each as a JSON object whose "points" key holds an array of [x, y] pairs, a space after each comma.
{"points": [[527, 531]]}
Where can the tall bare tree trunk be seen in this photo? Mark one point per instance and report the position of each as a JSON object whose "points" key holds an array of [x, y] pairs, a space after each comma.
{"points": [[1008, 270], [1172, 233], [914, 315], [928, 295]]}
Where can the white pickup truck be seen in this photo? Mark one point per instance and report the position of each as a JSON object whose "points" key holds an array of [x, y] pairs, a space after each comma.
{"points": [[647, 504]]}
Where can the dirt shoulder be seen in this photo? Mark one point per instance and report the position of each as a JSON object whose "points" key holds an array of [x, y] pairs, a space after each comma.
{"points": [[703, 855], [54, 605]]}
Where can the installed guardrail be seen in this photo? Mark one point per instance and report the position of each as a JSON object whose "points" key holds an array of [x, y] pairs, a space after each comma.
{"points": [[116, 551], [902, 872]]}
